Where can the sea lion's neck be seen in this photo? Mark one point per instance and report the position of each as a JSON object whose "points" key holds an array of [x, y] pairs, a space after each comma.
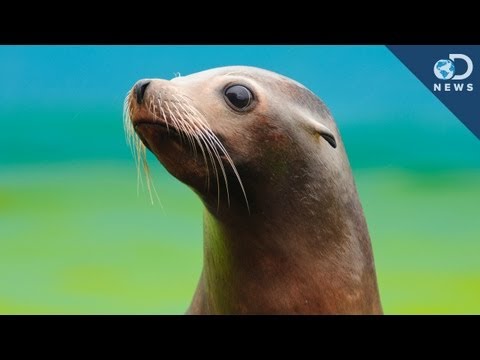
{"points": [[314, 258]]}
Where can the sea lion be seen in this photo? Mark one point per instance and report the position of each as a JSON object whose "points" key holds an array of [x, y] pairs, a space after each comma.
{"points": [[284, 230]]}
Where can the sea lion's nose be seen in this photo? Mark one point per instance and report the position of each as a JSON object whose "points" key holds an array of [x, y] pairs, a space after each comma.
{"points": [[140, 88]]}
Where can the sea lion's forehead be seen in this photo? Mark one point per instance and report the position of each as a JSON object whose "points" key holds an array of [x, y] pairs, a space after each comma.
{"points": [[253, 73]]}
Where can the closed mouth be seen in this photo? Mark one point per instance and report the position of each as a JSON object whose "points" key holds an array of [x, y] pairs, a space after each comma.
{"points": [[162, 126], [161, 130]]}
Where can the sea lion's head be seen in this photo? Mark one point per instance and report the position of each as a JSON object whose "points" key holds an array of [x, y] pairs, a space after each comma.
{"points": [[232, 132]]}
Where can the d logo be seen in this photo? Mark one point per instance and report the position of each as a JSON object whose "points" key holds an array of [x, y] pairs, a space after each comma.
{"points": [[445, 69], [469, 66]]}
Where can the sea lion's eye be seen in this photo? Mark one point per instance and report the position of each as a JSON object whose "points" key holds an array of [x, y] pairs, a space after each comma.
{"points": [[238, 97]]}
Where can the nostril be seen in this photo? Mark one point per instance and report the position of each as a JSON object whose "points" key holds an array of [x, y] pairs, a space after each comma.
{"points": [[140, 88]]}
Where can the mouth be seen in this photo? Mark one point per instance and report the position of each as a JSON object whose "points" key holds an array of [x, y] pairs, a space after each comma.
{"points": [[162, 126], [155, 130], [161, 123], [159, 130]]}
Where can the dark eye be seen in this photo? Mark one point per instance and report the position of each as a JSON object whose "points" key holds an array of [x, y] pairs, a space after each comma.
{"points": [[238, 96]]}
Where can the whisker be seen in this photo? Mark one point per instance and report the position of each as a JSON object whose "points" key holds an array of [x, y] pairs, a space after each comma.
{"points": [[213, 156], [175, 120], [192, 128], [199, 116], [187, 133], [138, 151], [197, 138], [208, 139]]}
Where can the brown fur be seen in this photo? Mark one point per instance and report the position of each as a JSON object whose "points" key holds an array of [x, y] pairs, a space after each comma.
{"points": [[303, 246]]}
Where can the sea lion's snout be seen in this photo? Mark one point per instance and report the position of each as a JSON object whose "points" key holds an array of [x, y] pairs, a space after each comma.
{"points": [[139, 89], [145, 101]]}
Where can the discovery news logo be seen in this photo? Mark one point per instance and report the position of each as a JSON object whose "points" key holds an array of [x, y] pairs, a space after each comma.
{"points": [[445, 70]]}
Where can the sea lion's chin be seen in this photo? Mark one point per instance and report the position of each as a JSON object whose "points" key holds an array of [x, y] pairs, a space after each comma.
{"points": [[173, 152]]}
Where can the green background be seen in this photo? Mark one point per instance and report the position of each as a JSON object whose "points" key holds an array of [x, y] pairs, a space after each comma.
{"points": [[76, 238]]}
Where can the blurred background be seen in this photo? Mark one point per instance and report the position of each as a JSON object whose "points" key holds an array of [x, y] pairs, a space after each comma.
{"points": [[76, 238]]}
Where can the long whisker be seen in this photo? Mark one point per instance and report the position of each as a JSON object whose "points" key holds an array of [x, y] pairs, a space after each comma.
{"points": [[206, 136], [175, 120], [185, 125], [177, 111], [138, 151], [214, 157], [201, 118], [186, 117]]}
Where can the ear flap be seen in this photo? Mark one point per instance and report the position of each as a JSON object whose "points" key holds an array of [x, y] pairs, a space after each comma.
{"points": [[318, 129], [326, 133]]}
